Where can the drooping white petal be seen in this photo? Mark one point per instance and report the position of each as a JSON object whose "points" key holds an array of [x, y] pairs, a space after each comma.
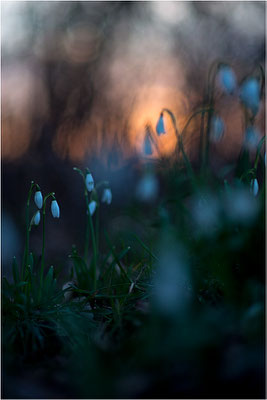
{"points": [[89, 182], [216, 128], [254, 187], [227, 79], [160, 129], [36, 218], [250, 94], [106, 196], [55, 209], [92, 207], [38, 199]]}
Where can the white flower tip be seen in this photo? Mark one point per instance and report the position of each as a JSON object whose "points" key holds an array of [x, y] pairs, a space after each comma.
{"points": [[250, 94], [254, 187], [217, 128], [106, 196], [227, 79], [89, 182], [92, 207], [37, 217], [38, 199], [55, 209], [160, 129]]}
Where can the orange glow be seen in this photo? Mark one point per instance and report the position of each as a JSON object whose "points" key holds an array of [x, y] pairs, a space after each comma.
{"points": [[147, 111]]}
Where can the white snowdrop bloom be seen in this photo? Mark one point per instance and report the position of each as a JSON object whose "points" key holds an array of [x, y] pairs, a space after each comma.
{"points": [[147, 188], [216, 128], [37, 218], [227, 79], [55, 209], [92, 207], [254, 187], [160, 129], [250, 94], [89, 182], [252, 137], [106, 196], [38, 199]]}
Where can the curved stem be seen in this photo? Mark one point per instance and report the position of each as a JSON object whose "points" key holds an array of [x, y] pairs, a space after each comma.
{"points": [[91, 227], [26, 251], [258, 152], [180, 142], [193, 115], [43, 245], [210, 97], [174, 125], [86, 243], [94, 248]]}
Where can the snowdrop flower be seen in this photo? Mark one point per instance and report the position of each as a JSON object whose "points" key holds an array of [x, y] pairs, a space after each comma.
{"points": [[216, 128], [160, 129], [227, 79], [252, 137], [55, 209], [147, 188], [254, 187], [250, 94], [106, 196], [38, 199], [147, 146], [89, 182], [92, 207], [36, 218]]}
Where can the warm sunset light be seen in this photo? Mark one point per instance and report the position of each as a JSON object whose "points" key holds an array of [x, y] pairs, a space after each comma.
{"points": [[133, 199]]}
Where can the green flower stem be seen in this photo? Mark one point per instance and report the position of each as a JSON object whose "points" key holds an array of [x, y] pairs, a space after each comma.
{"points": [[43, 245], [210, 97], [86, 243], [180, 142], [97, 230], [92, 231], [258, 152], [193, 115], [26, 251]]}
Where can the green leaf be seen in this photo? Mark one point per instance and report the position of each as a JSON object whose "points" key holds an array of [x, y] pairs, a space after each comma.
{"points": [[15, 270]]}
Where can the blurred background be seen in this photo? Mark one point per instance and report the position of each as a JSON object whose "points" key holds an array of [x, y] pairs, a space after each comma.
{"points": [[80, 81]]}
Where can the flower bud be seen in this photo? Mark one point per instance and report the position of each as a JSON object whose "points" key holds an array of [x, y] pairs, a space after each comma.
{"points": [[38, 199], [227, 79], [216, 128], [160, 129], [254, 187], [250, 94], [89, 182], [55, 209], [36, 218], [106, 196], [92, 207]]}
